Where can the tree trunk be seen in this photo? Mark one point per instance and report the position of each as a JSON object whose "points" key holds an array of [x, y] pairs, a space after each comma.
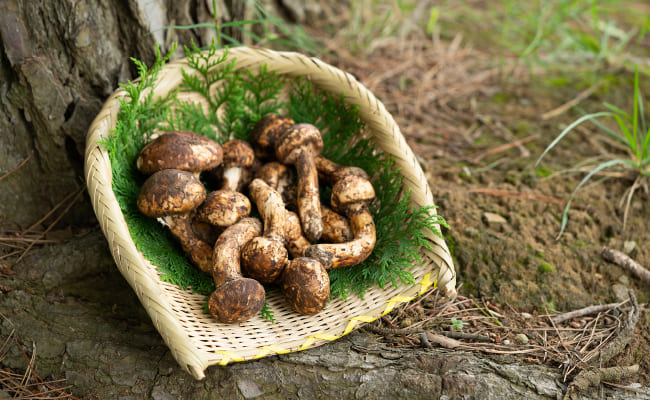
{"points": [[66, 303]]}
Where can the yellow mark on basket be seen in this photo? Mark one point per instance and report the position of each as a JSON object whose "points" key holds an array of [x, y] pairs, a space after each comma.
{"points": [[227, 356], [266, 350], [390, 304], [310, 340], [324, 336], [425, 283], [353, 322]]}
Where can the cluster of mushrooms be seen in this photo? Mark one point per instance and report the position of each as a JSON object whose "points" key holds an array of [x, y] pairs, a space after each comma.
{"points": [[295, 240]]}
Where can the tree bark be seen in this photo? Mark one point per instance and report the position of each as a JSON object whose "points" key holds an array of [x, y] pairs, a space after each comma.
{"points": [[68, 305]]}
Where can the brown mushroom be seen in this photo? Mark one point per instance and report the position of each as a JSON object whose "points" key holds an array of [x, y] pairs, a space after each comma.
{"points": [[223, 208], [236, 298], [306, 285], [172, 195], [184, 150], [350, 196], [264, 257], [265, 134], [298, 146], [330, 172]]}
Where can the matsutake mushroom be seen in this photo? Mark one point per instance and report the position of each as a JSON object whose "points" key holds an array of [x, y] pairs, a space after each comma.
{"points": [[172, 195], [264, 257], [298, 146], [306, 285], [184, 150], [236, 298], [223, 208], [266, 132], [350, 196]]}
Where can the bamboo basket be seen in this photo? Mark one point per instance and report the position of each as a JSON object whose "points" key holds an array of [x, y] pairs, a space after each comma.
{"points": [[195, 339]]}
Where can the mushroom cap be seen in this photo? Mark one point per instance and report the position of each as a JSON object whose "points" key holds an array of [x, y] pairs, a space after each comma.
{"points": [[169, 192], [351, 189], [306, 285], [184, 150], [266, 132], [223, 208], [294, 140], [237, 300], [263, 259], [237, 153]]}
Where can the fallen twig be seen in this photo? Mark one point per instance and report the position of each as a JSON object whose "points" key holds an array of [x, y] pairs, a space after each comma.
{"points": [[625, 262], [16, 168], [585, 311], [77, 194], [564, 107], [501, 148]]}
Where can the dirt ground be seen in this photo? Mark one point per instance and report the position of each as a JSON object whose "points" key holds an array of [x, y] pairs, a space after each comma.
{"points": [[478, 125]]}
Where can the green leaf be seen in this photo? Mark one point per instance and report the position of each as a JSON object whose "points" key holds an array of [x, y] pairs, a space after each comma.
{"points": [[568, 129]]}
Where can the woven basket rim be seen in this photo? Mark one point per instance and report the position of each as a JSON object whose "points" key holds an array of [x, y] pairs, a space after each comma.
{"points": [[176, 313]]}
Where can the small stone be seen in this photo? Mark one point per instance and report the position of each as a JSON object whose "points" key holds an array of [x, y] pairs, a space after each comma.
{"points": [[526, 315], [624, 280], [471, 232], [492, 219], [521, 339], [506, 342], [248, 388], [620, 292], [629, 246]]}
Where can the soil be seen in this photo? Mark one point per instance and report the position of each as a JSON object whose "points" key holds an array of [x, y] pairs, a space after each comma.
{"points": [[461, 110]]}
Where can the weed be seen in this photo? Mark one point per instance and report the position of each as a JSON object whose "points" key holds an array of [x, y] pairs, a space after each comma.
{"points": [[545, 33], [633, 133], [545, 268]]}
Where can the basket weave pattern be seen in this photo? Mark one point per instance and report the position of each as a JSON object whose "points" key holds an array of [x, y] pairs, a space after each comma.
{"points": [[195, 339]]}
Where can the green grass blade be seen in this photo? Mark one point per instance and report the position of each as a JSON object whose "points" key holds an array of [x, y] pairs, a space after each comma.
{"points": [[612, 134], [617, 111], [629, 137], [600, 167], [635, 116], [569, 129]]}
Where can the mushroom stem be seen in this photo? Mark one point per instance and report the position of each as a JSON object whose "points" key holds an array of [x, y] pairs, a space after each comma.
{"points": [[235, 298], [199, 252], [264, 258], [296, 242], [330, 172], [298, 146]]}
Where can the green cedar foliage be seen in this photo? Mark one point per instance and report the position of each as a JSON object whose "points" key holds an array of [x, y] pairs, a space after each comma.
{"points": [[236, 101]]}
